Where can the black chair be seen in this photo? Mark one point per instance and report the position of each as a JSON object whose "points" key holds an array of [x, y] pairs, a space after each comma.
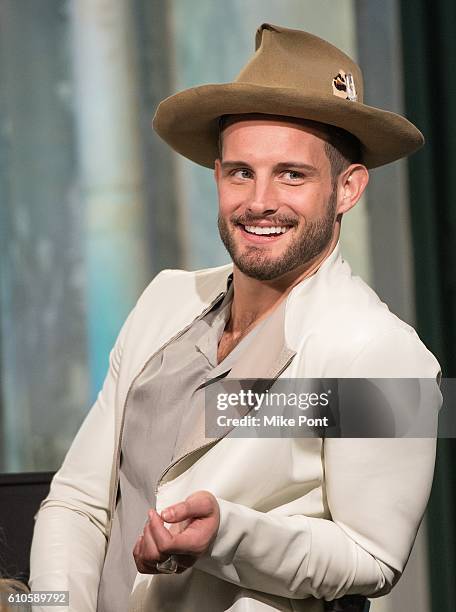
{"points": [[20, 497], [349, 603]]}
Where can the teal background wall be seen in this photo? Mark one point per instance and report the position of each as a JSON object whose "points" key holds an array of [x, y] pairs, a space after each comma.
{"points": [[44, 376], [93, 204]]}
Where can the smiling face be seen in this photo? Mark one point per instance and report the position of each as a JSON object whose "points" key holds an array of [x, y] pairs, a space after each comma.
{"points": [[277, 201]]}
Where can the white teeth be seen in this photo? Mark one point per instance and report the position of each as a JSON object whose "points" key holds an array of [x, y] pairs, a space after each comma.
{"points": [[255, 229]]}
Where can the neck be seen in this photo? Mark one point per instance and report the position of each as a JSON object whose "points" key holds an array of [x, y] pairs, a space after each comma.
{"points": [[254, 299]]}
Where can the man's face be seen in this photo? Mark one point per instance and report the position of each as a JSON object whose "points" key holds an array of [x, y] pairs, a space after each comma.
{"points": [[277, 202]]}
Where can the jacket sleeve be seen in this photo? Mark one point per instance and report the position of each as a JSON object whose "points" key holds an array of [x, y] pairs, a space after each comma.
{"points": [[70, 533], [376, 491]]}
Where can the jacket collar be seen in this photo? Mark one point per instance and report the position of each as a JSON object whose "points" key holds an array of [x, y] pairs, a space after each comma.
{"points": [[269, 353]]}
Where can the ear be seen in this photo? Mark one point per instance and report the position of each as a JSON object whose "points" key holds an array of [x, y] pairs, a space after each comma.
{"points": [[350, 186]]}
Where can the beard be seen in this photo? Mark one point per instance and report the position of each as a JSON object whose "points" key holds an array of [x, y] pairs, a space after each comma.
{"points": [[305, 246]]}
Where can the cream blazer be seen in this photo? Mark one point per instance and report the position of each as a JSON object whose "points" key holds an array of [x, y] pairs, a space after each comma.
{"points": [[301, 520]]}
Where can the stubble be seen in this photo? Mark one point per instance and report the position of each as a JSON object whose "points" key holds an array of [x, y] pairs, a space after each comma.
{"points": [[257, 262]]}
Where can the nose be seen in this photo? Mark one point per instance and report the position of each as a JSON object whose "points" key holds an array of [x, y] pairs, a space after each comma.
{"points": [[263, 198]]}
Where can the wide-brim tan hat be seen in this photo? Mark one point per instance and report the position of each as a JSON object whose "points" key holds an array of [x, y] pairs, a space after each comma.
{"points": [[294, 74]]}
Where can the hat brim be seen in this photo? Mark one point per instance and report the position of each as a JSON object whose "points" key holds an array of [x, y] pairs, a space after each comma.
{"points": [[188, 120]]}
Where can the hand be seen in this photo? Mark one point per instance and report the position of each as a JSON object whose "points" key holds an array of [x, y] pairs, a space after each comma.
{"points": [[194, 526]]}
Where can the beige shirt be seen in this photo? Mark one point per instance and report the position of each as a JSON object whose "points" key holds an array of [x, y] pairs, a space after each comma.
{"points": [[164, 402]]}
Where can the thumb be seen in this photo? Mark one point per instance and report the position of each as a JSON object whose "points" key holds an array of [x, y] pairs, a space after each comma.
{"points": [[197, 505]]}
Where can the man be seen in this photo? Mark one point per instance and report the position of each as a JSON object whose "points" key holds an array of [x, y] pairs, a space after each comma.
{"points": [[147, 513]]}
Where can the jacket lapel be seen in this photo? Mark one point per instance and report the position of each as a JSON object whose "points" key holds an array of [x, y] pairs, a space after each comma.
{"points": [[268, 354], [266, 357]]}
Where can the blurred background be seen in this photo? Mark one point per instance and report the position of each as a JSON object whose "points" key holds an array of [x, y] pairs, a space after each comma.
{"points": [[93, 204]]}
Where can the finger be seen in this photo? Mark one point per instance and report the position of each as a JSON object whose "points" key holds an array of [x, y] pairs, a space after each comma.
{"points": [[137, 545], [144, 556], [180, 543], [162, 538], [192, 542], [149, 553], [176, 528], [197, 505]]}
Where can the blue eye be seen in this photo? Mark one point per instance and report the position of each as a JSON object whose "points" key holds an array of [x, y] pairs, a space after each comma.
{"points": [[294, 174], [244, 173]]}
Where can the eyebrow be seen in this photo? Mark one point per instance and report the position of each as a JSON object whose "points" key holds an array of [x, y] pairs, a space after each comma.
{"points": [[308, 168]]}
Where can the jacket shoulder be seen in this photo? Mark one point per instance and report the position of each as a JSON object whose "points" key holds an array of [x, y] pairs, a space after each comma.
{"points": [[196, 282], [169, 303], [353, 330]]}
